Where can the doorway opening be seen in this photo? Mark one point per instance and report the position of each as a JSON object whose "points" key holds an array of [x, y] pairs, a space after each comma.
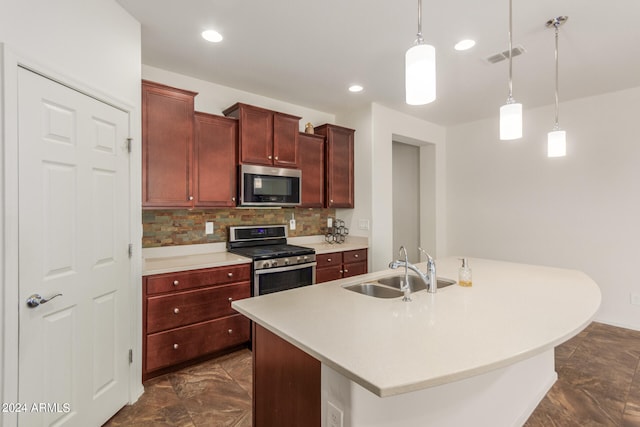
{"points": [[413, 174]]}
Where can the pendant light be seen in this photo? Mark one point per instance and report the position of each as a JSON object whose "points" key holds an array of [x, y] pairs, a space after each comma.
{"points": [[556, 139], [420, 69], [511, 112]]}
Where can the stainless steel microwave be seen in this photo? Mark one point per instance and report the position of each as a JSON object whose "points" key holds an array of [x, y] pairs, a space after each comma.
{"points": [[269, 186]]}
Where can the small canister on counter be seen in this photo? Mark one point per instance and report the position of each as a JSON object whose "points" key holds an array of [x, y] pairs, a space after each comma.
{"points": [[464, 274]]}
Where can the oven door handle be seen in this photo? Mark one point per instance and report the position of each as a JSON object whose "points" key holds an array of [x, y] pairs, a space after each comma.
{"points": [[286, 268]]}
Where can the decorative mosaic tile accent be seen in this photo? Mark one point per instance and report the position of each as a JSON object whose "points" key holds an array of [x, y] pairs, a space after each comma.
{"points": [[186, 227]]}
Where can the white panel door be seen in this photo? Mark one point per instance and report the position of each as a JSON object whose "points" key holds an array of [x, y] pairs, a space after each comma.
{"points": [[74, 232]]}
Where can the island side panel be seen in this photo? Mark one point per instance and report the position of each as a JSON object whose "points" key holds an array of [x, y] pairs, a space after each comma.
{"points": [[286, 383]]}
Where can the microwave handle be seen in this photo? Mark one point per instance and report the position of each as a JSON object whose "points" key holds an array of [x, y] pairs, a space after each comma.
{"points": [[286, 268]]}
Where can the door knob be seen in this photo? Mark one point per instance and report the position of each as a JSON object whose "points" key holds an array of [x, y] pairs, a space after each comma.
{"points": [[35, 300]]}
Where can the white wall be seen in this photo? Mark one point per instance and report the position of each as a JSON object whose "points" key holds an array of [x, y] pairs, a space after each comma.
{"points": [[214, 98], [93, 45], [388, 125], [360, 120], [507, 200]]}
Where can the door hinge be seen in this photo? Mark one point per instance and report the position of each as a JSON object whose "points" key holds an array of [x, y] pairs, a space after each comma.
{"points": [[130, 356], [129, 141], [130, 250]]}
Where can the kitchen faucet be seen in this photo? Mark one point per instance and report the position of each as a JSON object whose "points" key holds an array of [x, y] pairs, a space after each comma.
{"points": [[404, 286], [429, 279]]}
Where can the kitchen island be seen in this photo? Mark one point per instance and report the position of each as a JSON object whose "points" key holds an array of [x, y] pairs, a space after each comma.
{"points": [[463, 356]]}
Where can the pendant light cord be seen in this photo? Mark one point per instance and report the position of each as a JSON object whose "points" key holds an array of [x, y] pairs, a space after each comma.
{"points": [[420, 40], [510, 99], [557, 101]]}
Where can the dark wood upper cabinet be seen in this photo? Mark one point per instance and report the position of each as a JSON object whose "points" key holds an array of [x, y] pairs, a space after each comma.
{"points": [[311, 162], [167, 146], [339, 155], [266, 137], [215, 154]]}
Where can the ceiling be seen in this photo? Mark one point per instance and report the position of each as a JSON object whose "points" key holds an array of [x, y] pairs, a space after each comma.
{"points": [[308, 52]]}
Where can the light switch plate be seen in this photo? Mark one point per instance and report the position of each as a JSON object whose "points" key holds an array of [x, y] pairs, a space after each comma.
{"points": [[363, 224], [292, 224], [208, 227]]}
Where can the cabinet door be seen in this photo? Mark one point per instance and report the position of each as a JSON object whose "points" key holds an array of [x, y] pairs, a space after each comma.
{"points": [[328, 274], [311, 162], [215, 160], [181, 344], [354, 269], [285, 140], [256, 135], [167, 146], [339, 166]]}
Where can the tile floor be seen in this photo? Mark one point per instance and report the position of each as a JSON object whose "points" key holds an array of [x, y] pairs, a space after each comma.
{"points": [[598, 385]]}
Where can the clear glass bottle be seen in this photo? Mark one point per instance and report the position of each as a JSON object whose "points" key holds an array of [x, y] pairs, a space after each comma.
{"points": [[464, 274]]}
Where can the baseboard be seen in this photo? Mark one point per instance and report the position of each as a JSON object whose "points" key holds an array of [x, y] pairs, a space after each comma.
{"points": [[618, 324]]}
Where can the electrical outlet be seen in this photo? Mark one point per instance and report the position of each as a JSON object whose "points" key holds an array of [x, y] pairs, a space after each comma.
{"points": [[334, 416], [363, 224], [208, 227], [635, 299], [292, 224]]}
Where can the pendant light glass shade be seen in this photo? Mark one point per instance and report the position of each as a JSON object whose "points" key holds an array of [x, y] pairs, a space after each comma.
{"points": [[511, 121], [420, 69], [420, 74], [556, 139], [511, 112], [557, 143]]}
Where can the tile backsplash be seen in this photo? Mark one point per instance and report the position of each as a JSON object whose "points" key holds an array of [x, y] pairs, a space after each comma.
{"points": [[187, 227]]}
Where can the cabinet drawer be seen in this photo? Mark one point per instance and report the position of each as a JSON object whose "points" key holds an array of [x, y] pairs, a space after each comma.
{"points": [[329, 273], [168, 282], [354, 269], [182, 344], [358, 255], [183, 308], [325, 260]]}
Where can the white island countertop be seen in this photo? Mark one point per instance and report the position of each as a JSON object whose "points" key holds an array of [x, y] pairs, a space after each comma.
{"points": [[511, 313]]}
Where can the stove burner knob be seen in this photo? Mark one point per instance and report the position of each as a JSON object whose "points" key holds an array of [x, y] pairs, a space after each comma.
{"points": [[266, 264], [306, 258], [298, 259], [274, 263], [286, 261]]}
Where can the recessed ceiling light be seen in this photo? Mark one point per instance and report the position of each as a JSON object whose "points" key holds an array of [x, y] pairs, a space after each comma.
{"points": [[464, 44], [355, 88], [212, 36]]}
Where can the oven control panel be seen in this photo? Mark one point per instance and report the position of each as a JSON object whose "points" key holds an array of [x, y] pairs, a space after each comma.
{"points": [[284, 261]]}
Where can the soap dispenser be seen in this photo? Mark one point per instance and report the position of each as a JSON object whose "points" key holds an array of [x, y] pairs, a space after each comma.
{"points": [[464, 274]]}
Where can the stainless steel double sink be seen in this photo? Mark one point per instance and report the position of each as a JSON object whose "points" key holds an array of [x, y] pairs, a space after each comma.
{"points": [[389, 287]]}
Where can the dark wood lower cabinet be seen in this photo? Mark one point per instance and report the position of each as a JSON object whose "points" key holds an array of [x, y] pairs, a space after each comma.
{"points": [[286, 383], [337, 265]]}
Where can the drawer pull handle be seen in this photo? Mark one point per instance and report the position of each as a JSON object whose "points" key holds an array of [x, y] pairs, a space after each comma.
{"points": [[190, 197], [230, 331], [175, 346], [355, 256], [230, 299], [176, 283], [230, 274], [328, 259], [341, 271], [269, 157], [176, 310], [346, 271], [276, 157]]}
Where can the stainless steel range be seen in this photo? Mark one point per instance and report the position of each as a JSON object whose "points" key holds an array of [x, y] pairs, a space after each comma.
{"points": [[277, 266]]}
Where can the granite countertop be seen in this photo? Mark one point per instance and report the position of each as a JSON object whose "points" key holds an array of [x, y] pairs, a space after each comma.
{"points": [[511, 313]]}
